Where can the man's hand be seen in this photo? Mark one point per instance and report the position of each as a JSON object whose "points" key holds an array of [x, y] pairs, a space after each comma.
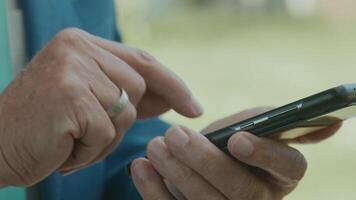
{"points": [[185, 165], [54, 115]]}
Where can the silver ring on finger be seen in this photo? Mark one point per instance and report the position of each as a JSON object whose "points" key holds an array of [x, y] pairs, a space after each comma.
{"points": [[119, 105]]}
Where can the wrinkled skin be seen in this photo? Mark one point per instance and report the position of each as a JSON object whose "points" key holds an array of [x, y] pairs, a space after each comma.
{"points": [[53, 116]]}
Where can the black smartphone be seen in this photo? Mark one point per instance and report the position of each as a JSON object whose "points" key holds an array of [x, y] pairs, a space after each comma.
{"points": [[295, 119]]}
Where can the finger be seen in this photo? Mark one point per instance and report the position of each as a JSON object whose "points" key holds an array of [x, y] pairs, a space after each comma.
{"points": [[147, 181], [151, 105], [107, 93], [159, 79], [124, 77], [96, 133], [174, 191], [235, 118], [286, 164], [191, 184], [117, 70], [122, 123], [196, 151], [316, 136]]}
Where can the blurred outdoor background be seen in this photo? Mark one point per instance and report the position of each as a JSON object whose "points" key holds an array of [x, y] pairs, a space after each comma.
{"points": [[238, 54]]}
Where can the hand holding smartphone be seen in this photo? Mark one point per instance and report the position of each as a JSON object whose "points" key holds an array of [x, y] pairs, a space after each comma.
{"points": [[296, 119]]}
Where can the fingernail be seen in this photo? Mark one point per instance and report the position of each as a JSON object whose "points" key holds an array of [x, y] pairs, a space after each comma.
{"points": [[243, 146], [68, 172], [196, 107], [177, 137], [140, 171], [159, 151]]}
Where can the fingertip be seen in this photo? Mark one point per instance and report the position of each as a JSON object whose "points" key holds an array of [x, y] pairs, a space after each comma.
{"points": [[187, 105], [197, 108], [147, 181], [241, 145], [191, 110], [140, 169], [134, 163]]}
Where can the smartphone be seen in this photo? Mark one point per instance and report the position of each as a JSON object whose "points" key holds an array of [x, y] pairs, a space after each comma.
{"points": [[296, 119]]}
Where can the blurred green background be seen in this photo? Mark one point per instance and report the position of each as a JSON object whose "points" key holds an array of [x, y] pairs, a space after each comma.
{"points": [[238, 54]]}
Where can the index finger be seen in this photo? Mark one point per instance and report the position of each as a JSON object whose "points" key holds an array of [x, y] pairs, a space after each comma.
{"points": [[159, 79]]}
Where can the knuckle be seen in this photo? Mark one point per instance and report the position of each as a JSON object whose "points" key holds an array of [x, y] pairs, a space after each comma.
{"points": [[107, 136], [207, 156], [66, 60], [67, 87], [66, 39], [58, 53], [144, 57], [138, 88], [65, 64], [69, 35], [186, 174], [63, 82]]}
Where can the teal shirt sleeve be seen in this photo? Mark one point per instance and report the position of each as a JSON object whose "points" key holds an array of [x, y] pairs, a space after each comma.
{"points": [[12, 193]]}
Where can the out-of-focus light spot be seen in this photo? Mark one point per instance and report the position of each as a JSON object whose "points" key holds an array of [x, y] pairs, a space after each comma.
{"points": [[301, 8]]}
